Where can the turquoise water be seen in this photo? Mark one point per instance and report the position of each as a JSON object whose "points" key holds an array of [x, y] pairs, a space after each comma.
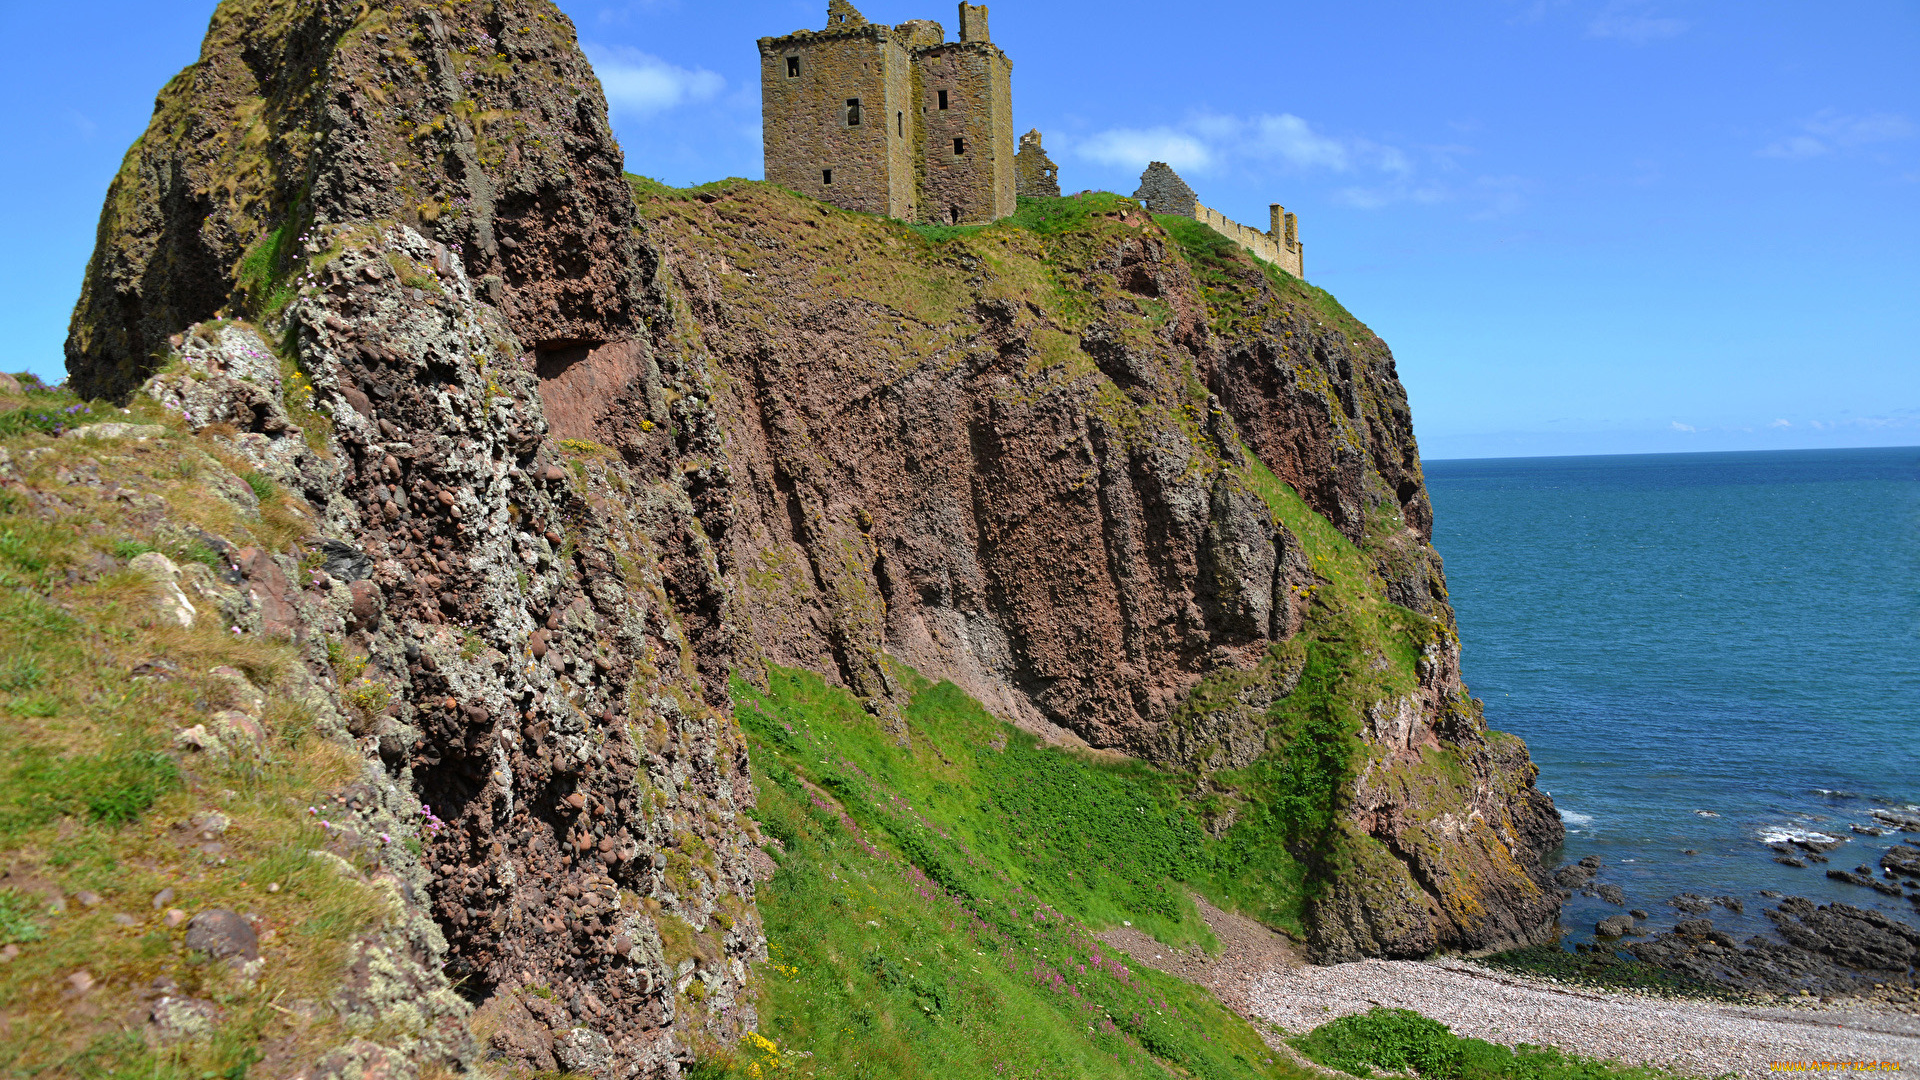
{"points": [[1680, 635]]}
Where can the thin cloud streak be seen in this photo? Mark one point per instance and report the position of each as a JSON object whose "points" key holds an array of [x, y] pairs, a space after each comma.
{"points": [[1631, 22], [1829, 131]]}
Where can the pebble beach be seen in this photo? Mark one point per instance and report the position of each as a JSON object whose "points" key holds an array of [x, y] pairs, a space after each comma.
{"points": [[1688, 1037]]}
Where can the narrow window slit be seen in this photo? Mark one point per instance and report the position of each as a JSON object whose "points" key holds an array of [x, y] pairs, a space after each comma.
{"points": [[793, 67], [943, 99], [853, 112], [959, 147], [826, 176]]}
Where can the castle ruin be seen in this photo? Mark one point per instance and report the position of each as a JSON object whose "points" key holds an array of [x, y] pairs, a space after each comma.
{"points": [[892, 120], [1163, 192], [1035, 176], [899, 121]]}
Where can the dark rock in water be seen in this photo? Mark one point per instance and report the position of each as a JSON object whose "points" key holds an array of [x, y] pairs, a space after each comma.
{"points": [[1771, 894], [1865, 880], [1691, 904], [1811, 857], [1575, 875], [1833, 949], [1902, 859], [1788, 860], [1816, 845], [1614, 926], [1638, 914], [1612, 894], [1869, 830], [1731, 903], [1689, 851], [1694, 927], [1907, 822]]}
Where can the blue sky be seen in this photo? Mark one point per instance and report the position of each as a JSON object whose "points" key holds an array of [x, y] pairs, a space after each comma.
{"points": [[1585, 226]]}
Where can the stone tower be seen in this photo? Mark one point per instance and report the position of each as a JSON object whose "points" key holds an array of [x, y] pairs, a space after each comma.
{"points": [[1035, 174], [892, 120]]}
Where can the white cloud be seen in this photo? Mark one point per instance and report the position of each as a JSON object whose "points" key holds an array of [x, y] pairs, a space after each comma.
{"points": [[1371, 174], [1829, 130], [1130, 148], [1797, 146], [1678, 426], [1630, 21], [640, 84], [1211, 140], [1781, 423]]}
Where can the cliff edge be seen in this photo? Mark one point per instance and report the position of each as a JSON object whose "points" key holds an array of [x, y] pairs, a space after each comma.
{"points": [[600, 444]]}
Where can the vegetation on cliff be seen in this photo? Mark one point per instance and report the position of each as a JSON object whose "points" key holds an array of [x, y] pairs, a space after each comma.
{"points": [[541, 457], [160, 760], [1091, 428]]}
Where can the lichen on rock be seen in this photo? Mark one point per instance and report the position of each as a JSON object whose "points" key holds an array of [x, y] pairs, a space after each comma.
{"points": [[577, 449]]}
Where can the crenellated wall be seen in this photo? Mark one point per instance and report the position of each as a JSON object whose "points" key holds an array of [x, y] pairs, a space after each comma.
{"points": [[932, 138], [1162, 191]]}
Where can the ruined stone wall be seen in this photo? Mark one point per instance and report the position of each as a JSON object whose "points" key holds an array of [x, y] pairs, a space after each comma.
{"points": [[807, 126], [1162, 191], [1034, 173], [971, 182], [1264, 245]]}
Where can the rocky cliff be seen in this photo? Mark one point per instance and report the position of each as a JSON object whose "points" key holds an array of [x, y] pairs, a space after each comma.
{"points": [[593, 445]]}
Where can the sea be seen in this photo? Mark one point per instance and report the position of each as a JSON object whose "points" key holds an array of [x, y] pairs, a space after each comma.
{"points": [[1707, 654]]}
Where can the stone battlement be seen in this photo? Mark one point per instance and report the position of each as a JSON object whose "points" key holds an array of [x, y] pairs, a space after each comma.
{"points": [[1163, 192], [892, 120]]}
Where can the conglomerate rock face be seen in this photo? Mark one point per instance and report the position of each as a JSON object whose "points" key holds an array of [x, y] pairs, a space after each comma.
{"points": [[1026, 464], [423, 203], [481, 125], [592, 451]]}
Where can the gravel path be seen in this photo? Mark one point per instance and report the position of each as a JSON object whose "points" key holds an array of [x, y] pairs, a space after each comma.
{"points": [[1695, 1038]]}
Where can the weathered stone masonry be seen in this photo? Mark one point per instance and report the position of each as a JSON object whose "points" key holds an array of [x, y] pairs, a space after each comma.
{"points": [[892, 120], [1035, 174], [1163, 192]]}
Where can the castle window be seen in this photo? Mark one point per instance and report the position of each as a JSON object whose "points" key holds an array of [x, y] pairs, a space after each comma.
{"points": [[793, 67], [826, 177], [959, 147], [943, 99], [900, 122], [853, 112]]}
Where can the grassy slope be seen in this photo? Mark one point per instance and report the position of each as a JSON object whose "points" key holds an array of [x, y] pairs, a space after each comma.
{"points": [[932, 913], [94, 798], [935, 903]]}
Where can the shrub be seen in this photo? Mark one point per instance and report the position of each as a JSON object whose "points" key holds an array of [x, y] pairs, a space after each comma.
{"points": [[1391, 1040]]}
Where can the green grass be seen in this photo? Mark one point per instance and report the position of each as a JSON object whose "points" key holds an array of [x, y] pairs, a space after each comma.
{"points": [[17, 923], [934, 911], [48, 420], [265, 277], [1401, 1041], [91, 779]]}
